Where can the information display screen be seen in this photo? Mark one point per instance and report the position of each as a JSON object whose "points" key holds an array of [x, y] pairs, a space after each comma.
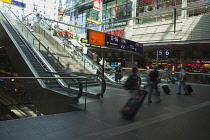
{"points": [[96, 38]]}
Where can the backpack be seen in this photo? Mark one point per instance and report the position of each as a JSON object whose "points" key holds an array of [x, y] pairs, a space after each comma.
{"points": [[154, 77], [131, 82]]}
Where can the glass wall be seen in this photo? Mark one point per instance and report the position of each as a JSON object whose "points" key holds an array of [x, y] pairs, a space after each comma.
{"points": [[48, 8]]}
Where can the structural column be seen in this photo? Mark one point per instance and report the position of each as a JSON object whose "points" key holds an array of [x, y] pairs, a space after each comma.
{"points": [[100, 13], [132, 21], [130, 61], [184, 12]]}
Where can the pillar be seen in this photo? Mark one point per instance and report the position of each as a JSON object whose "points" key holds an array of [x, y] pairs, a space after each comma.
{"points": [[132, 21], [184, 12]]}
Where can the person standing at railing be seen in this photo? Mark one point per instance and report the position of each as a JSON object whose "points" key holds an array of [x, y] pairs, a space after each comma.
{"points": [[95, 60], [67, 70], [65, 38], [182, 80], [84, 53], [118, 73], [32, 26]]}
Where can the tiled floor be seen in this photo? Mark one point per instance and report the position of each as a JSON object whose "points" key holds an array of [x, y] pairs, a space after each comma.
{"points": [[178, 117]]}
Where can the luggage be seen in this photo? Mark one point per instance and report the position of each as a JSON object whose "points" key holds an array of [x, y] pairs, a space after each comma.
{"points": [[166, 89], [133, 104], [174, 79], [189, 89]]}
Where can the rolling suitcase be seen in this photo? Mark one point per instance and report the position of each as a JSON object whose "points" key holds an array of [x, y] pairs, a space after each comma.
{"points": [[166, 89], [133, 104], [189, 89]]}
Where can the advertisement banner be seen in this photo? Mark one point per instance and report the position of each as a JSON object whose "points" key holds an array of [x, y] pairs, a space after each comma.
{"points": [[7, 1], [60, 13], [96, 5]]}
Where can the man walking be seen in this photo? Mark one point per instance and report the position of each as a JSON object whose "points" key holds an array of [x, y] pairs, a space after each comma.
{"points": [[153, 81], [182, 79]]}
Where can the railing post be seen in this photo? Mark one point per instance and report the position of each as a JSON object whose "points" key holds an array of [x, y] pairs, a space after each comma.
{"points": [[86, 96], [57, 63], [174, 20], [47, 52]]}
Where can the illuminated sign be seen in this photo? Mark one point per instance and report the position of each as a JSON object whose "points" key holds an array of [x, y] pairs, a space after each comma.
{"points": [[164, 53], [95, 37], [7, 1], [111, 41], [84, 40]]}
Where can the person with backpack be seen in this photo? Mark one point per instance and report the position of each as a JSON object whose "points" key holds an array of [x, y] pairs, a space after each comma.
{"points": [[133, 82], [153, 81], [118, 74]]}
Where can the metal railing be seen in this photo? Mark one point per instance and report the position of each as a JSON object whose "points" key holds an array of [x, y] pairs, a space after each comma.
{"points": [[24, 94]]}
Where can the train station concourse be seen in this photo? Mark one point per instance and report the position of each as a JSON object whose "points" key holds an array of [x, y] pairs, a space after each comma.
{"points": [[64, 65]]}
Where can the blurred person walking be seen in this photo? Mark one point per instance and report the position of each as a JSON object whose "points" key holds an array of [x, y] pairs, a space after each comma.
{"points": [[153, 81], [133, 82]]}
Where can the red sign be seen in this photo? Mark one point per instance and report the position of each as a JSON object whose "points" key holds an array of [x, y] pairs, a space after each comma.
{"points": [[63, 32], [119, 33], [96, 5]]}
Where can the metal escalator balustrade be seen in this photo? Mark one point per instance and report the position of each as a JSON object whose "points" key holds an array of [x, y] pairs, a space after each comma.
{"points": [[77, 46], [58, 65], [38, 64], [79, 56]]}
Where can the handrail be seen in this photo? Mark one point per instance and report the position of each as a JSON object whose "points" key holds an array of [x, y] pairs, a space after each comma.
{"points": [[33, 35], [78, 78], [44, 65], [34, 52], [103, 85], [88, 59], [103, 89]]}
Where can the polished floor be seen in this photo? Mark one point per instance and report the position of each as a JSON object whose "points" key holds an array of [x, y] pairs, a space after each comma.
{"points": [[178, 117]]}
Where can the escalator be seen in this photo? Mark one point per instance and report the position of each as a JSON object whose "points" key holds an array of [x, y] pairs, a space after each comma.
{"points": [[43, 29], [61, 56], [30, 62]]}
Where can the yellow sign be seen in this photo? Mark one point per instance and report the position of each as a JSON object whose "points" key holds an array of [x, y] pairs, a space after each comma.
{"points": [[96, 38], [7, 1], [94, 21]]}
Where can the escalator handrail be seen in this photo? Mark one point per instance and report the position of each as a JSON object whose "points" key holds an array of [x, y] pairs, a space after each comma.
{"points": [[41, 64], [78, 79], [103, 85], [35, 37], [33, 52], [87, 57]]}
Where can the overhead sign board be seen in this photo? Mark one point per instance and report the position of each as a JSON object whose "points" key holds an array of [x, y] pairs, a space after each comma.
{"points": [[124, 44], [166, 53], [112, 41], [95, 37]]}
